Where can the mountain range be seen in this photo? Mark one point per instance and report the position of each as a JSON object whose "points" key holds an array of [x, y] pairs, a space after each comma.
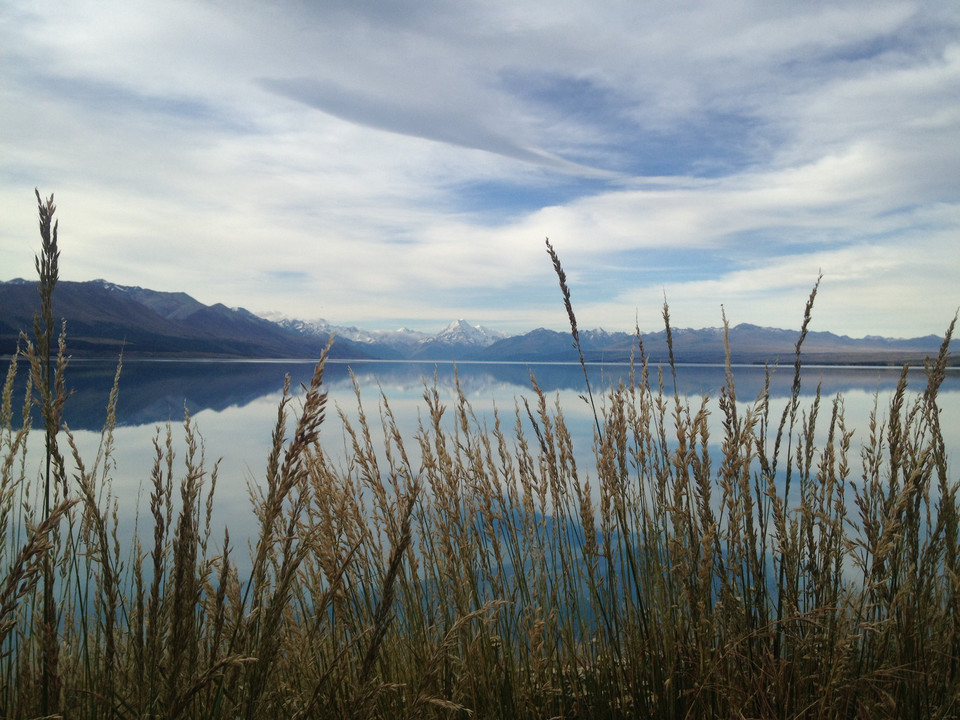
{"points": [[103, 317]]}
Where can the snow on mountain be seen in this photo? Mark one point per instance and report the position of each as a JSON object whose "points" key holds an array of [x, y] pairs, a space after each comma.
{"points": [[272, 315], [401, 339], [107, 285], [460, 332], [303, 327]]}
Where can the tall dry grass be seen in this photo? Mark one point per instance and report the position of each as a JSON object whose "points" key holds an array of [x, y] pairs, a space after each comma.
{"points": [[474, 569]]}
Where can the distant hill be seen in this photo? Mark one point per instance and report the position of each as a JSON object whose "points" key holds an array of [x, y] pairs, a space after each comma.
{"points": [[749, 344], [102, 317]]}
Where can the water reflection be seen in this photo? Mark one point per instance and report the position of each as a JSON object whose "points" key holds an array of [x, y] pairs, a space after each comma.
{"points": [[234, 406], [158, 391]]}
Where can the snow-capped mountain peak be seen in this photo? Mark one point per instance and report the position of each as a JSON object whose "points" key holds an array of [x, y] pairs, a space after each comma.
{"points": [[461, 332]]}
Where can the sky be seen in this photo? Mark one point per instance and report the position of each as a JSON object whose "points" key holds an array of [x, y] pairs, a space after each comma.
{"points": [[400, 164]]}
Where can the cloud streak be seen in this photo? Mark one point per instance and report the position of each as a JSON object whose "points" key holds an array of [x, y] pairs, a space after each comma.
{"points": [[401, 164], [446, 125]]}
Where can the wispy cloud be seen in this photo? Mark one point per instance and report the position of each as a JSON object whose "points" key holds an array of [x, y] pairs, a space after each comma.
{"points": [[375, 163], [450, 124]]}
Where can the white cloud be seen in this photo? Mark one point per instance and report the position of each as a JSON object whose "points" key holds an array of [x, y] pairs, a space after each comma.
{"points": [[319, 159]]}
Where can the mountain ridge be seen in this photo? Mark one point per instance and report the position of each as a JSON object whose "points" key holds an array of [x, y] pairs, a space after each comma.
{"points": [[104, 317]]}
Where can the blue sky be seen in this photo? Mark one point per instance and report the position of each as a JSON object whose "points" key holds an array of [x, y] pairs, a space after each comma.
{"points": [[400, 164]]}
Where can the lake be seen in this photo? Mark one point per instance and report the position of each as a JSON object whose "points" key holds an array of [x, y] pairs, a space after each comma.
{"points": [[234, 404]]}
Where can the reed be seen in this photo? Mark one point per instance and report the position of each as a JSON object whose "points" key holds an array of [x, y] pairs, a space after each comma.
{"points": [[478, 569]]}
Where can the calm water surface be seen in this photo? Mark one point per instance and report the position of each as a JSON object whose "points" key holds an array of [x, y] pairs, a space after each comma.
{"points": [[234, 407]]}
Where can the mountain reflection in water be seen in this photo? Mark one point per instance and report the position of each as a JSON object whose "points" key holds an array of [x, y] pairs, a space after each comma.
{"points": [[152, 392]]}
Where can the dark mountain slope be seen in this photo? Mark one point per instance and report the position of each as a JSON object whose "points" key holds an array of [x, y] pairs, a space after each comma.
{"points": [[749, 344], [102, 318]]}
